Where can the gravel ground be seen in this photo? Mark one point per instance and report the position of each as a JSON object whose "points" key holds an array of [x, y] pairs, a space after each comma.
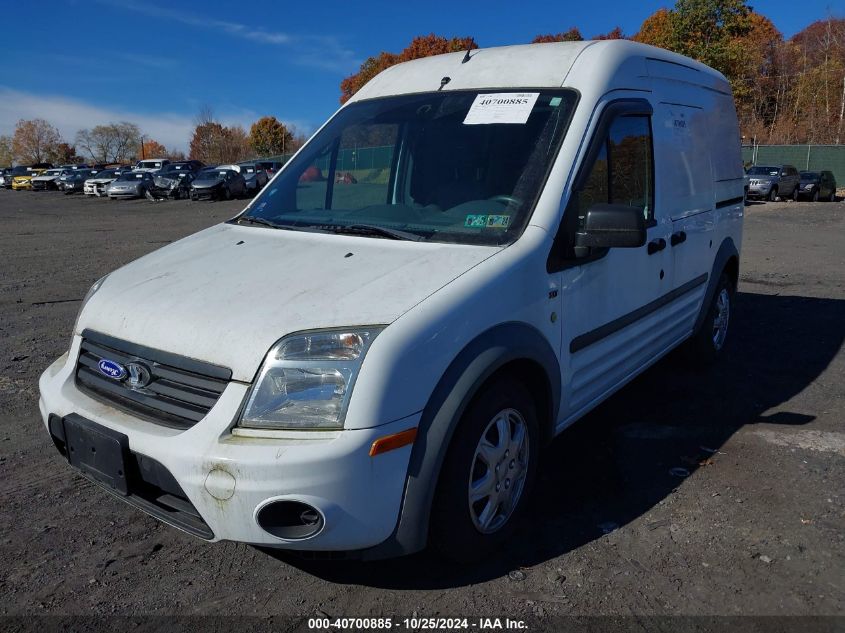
{"points": [[756, 528]]}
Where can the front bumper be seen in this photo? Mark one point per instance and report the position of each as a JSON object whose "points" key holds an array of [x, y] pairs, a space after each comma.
{"points": [[206, 194], [21, 185], [759, 190], [129, 193], [228, 478]]}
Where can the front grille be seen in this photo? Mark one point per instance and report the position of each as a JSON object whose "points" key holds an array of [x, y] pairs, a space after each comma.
{"points": [[179, 392]]}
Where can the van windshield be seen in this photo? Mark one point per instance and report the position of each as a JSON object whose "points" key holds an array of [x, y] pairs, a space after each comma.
{"points": [[463, 167]]}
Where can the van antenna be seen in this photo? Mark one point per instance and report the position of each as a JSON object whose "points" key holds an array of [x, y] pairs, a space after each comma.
{"points": [[467, 57]]}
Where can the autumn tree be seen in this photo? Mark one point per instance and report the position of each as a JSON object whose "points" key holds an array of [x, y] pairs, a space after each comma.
{"points": [[151, 149], [268, 137], [110, 143], [64, 154], [7, 156], [572, 35], [656, 30], [711, 31], [214, 143], [615, 33], [35, 140], [420, 46]]}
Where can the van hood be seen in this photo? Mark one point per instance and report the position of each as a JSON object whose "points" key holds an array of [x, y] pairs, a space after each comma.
{"points": [[226, 294]]}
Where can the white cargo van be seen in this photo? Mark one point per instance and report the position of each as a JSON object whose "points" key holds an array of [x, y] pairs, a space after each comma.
{"points": [[469, 255]]}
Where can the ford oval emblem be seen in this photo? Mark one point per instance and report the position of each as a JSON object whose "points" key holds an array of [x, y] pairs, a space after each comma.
{"points": [[111, 369]]}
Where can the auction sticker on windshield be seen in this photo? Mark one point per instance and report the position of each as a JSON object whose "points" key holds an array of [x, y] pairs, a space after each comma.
{"points": [[501, 107]]}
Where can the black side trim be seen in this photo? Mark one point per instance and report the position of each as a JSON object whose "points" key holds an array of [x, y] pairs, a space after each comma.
{"points": [[594, 336], [174, 360], [730, 202]]}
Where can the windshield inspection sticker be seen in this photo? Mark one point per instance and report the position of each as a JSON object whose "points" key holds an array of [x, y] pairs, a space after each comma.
{"points": [[498, 221], [501, 107], [487, 221]]}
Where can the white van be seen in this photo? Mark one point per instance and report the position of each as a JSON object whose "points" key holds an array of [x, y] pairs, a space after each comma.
{"points": [[468, 256]]}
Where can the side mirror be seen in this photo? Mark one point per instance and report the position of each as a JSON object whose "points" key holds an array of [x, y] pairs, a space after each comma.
{"points": [[612, 226]]}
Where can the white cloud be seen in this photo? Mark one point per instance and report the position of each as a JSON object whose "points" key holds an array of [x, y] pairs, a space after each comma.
{"points": [[70, 115], [324, 51]]}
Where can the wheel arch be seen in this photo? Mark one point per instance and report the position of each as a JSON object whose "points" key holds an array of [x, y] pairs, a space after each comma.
{"points": [[727, 261], [515, 349]]}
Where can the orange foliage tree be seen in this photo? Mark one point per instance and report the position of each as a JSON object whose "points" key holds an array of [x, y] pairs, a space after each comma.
{"points": [[421, 46], [151, 149]]}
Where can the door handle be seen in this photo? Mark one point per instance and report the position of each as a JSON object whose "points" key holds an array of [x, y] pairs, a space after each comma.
{"points": [[678, 238], [656, 245]]}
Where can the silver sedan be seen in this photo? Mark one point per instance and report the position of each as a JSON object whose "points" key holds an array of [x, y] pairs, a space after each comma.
{"points": [[130, 184]]}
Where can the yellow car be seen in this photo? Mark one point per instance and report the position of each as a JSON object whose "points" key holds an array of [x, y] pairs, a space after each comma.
{"points": [[24, 181]]}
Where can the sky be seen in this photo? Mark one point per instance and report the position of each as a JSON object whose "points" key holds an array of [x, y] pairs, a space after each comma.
{"points": [[80, 63]]}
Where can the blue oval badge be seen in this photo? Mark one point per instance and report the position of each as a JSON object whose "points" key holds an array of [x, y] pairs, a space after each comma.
{"points": [[111, 369]]}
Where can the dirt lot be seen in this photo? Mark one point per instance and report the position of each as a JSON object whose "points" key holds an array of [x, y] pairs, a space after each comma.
{"points": [[757, 528]]}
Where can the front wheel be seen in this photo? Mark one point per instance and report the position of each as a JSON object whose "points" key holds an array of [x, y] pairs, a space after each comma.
{"points": [[795, 194], [773, 194], [487, 474], [816, 195], [706, 345]]}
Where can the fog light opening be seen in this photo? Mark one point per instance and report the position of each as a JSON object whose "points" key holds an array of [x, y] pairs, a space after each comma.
{"points": [[290, 520]]}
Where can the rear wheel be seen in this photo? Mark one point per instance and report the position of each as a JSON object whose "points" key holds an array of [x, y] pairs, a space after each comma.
{"points": [[706, 345], [488, 472]]}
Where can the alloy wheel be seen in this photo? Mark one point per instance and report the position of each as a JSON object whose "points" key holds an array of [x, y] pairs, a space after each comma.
{"points": [[499, 469]]}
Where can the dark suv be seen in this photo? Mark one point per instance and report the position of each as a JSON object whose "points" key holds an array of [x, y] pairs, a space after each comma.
{"points": [[818, 185], [773, 182]]}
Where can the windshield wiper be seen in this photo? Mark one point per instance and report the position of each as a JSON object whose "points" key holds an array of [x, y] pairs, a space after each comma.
{"points": [[373, 229], [261, 221], [273, 225]]}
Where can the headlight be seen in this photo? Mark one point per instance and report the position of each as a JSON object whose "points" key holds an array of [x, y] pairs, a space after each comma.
{"points": [[91, 291], [306, 380]]}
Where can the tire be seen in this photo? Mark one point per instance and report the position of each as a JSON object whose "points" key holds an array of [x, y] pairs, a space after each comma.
{"points": [[465, 532], [795, 194], [708, 343], [773, 194], [816, 195]]}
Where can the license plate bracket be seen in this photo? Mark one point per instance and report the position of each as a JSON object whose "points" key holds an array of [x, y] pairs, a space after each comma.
{"points": [[97, 451]]}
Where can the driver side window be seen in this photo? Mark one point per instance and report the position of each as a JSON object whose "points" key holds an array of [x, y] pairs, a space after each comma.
{"points": [[623, 172]]}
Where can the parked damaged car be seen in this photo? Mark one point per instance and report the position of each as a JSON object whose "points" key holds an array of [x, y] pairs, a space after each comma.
{"points": [[818, 185], [173, 183], [254, 177], [48, 180], [75, 181], [130, 184], [97, 184], [217, 184]]}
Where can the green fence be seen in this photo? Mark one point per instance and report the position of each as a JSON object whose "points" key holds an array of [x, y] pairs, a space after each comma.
{"points": [[802, 157]]}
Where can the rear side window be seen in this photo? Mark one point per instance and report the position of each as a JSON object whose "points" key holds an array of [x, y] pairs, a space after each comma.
{"points": [[623, 172]]}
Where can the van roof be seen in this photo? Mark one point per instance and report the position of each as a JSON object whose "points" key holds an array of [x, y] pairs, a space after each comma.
{"points": [[613, 63]]}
